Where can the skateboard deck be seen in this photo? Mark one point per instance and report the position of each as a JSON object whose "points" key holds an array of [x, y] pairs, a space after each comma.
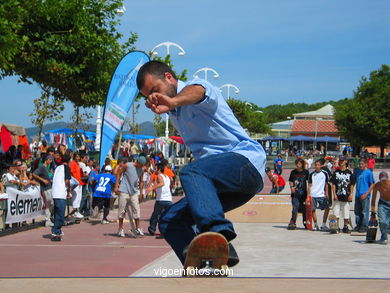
{"points": [[371, 230], [207, 256], [333, 225], [309, 215], [56, 238]]}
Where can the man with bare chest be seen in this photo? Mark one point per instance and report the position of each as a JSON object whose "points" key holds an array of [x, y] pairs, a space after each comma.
{"points": [[383, 187]]}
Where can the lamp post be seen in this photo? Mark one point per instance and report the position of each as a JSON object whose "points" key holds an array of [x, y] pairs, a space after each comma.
{"points": [[120, 12], [168, 45], [205, 70], [228, 86]]}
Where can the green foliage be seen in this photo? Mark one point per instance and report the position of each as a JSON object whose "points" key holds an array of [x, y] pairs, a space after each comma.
{"points": [[249, 116], [79, 120], [70, 46], [46, 108], [365, 119]]}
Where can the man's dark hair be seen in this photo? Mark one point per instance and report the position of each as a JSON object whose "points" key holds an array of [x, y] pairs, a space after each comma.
{"points": [[65, 158], [155, 68], [363, 160], [160, 167], [302, 161], [50, 149], [164, 162], [322, 161], [123, 160]]}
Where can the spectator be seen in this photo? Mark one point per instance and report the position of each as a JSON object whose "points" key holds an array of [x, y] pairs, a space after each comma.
{"points": [[43, 177], [11, 180], [76, 173], [343, 182], [128, 190], [318, 190], [383, 187], [309, 163], [102, 193], [298, 185], [134, 150], [371, 162], [85, 204], [277, 181], [278, 164], [60, 192], [163, 198], [364, 185]]}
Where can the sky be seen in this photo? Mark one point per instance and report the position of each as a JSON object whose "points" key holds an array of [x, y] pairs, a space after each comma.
{"points": [[275, 52]]}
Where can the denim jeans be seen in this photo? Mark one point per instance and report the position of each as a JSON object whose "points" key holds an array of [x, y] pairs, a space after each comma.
{"points": [[298, 205], [59, 214], [362, 210], [159, 208], [384, 218], [213, 185], [273, 189]]}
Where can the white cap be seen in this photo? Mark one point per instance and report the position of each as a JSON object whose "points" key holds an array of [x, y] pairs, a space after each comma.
{"points": [[108, 168]]}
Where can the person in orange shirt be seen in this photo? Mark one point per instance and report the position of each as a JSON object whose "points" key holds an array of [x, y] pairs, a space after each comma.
{"points": [[76, 173]]}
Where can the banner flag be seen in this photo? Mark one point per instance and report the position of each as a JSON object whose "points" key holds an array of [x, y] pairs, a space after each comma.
{"points": [[121, 94]]}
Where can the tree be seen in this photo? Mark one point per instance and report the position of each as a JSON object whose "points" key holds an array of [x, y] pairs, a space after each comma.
{"points": [[79, 120], [249, 117], [46, 108], [365, 119], [70, 46]]}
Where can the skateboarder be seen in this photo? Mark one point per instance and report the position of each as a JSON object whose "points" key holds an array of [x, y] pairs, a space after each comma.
{"points": [[318, 181], [228, 167], [383, 187], [61, 192], [343, 182], [277, 181], [298, 185]]}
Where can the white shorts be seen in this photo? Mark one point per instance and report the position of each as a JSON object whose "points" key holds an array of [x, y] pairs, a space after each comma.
{"points": [[77, 194], [343, 206]]}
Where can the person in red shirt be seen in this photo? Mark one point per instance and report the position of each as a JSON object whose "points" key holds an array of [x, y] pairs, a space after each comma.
{"points": [[77, 174], [371, 162], [278, 182]]}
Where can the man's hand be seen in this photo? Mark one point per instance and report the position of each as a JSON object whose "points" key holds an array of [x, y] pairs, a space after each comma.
{"points": [[159, 103], [335, 197], [364, 196], [350, 198], [293, 190], [116, 191], [68, 195], [46, 182]]}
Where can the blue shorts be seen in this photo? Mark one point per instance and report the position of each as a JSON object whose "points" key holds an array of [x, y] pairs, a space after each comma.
{"points": [[320, 203]]}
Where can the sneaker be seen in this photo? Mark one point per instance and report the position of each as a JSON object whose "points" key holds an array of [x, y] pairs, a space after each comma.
{"points": [[233, 257], [346, 230], [151, 232], [78, 215], [324, 227], [95, 212], [356, 229], [139, 231], [383, 242], [316, 227], [291, 226], [49, 223], [121, 233], [105, 221]]}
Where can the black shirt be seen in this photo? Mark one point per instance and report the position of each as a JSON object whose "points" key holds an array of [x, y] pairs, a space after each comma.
{"points": [[299, 180], [343, 181]]}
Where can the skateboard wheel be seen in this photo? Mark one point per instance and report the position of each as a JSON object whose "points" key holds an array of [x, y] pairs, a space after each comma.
{"points": [[190, 271], [225, 270]]}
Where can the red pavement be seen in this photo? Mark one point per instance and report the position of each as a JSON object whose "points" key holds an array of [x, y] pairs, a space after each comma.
{"points": [[87, 250]]}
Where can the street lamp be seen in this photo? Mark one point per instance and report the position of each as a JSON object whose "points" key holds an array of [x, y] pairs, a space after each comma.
{"points": [[205, 70], [120, 12], [228, 86], [168, 45]]}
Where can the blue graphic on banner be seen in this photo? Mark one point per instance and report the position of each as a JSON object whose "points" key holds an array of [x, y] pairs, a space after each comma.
{"points": [[121, 94]]}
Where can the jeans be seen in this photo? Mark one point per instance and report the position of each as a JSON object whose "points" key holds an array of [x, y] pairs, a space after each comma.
{"points": [[59, 214], [362, 210], [213, 185], [298, 205], [85, 205], [159, 208], [273, 189], [384, 218]]}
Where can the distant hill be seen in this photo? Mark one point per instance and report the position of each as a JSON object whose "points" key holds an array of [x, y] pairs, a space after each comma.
{"points": [[146, 128]]}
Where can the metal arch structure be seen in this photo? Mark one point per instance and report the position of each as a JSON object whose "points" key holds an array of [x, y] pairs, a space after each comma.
{"points": [[228, 86], [168, 45], [205, 70]]}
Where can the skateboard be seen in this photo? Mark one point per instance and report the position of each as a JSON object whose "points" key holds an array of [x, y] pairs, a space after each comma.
{"points": [[207, 256], [371, 230], [333, 225], [309, 215]]}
